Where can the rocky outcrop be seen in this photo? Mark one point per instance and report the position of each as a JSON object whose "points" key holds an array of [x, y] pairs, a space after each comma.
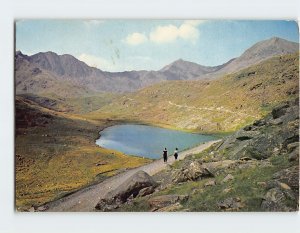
{"points": [[159, 202], [138, 184], [231, 204], [283, 191], [193, 171], [277, 132]]}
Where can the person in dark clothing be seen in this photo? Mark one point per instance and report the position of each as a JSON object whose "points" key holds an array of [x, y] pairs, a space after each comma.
{"points": [[165, 155], [176, 153]]}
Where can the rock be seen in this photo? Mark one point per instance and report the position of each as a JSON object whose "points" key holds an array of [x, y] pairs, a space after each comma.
{"points": [[260, 122], [248, 128], [246, 135], [274, 200], [228, 178], [294, 155], [146, 191], [279, 111], [130, 188], [194, 171], [231, 204], [166, 200], [289, 176], [210, 183], [261, 147], [277, 121], [284, 186], [292, 146]]}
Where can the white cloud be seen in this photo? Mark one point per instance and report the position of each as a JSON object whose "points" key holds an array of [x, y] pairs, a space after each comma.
{"points": [[95, 61], [187, 31], [164, 34], [136, 38]]}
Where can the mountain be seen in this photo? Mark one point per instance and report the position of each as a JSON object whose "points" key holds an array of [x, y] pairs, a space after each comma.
{"points": [[185, 70], [223, 104], [65, 75], [66, 65], [261, 51]]}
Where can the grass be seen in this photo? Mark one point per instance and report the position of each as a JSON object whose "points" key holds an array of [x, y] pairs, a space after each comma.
{"points": [[48, 167], [220, 105]]}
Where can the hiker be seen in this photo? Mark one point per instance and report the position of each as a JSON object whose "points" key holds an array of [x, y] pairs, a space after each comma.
{"points": [[176, 153], [165, 155]]}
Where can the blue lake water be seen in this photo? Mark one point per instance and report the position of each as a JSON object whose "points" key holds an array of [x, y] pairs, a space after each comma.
{"points": [[148, 141]]}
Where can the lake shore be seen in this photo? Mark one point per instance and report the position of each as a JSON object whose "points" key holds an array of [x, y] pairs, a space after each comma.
{"points": [[148, 141]]}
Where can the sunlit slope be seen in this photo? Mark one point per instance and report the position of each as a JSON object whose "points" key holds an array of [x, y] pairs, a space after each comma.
{"points": [[56, 154], [219, 105]]}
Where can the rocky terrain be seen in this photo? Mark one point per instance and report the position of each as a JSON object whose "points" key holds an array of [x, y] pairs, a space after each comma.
{"points": [[255, 169]]}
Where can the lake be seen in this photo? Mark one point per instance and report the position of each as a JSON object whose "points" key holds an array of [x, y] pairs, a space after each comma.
{"points": [[148, 141]]}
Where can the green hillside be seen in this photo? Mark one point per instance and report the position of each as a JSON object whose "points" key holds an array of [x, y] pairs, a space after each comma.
{"points": [[56, 154], [219, 105]]}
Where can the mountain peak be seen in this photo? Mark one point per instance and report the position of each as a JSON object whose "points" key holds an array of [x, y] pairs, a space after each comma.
{"points": [[260, 51]]}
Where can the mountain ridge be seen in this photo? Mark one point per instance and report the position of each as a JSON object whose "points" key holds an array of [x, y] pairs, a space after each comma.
{"points": [[69, 69]]}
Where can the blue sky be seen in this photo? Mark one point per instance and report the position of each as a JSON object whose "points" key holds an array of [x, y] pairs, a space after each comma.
{"points": [[118, 45]]}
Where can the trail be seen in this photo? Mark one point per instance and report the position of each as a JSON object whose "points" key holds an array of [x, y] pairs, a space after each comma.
{"points": [[219, 109], [86, 199]]}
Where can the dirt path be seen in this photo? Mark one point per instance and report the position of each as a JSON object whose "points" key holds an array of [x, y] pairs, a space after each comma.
{"points": [[219, 109], [86, 199]]}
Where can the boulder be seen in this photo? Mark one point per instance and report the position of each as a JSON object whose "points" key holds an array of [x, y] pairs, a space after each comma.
{"points": [[292, 146], [294, 155], [128, 190], [289, 176], [242, 135], [231, 204], [166, 200], [276, 200], [194, 171], [279, 111], [260, 122]]}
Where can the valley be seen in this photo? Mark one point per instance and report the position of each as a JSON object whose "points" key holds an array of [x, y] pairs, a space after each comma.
{"points": [[62, 104]]}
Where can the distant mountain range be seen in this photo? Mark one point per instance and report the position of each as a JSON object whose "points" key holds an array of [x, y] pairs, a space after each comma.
{"points": [[64, 75]]}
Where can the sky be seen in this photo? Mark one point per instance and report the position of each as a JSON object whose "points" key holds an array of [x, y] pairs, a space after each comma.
{"points": [[118, 45]]}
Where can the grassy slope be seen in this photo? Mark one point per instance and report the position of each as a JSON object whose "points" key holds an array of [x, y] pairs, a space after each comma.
{"points": [[76, 105], [219, 105], [56, 154]]}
